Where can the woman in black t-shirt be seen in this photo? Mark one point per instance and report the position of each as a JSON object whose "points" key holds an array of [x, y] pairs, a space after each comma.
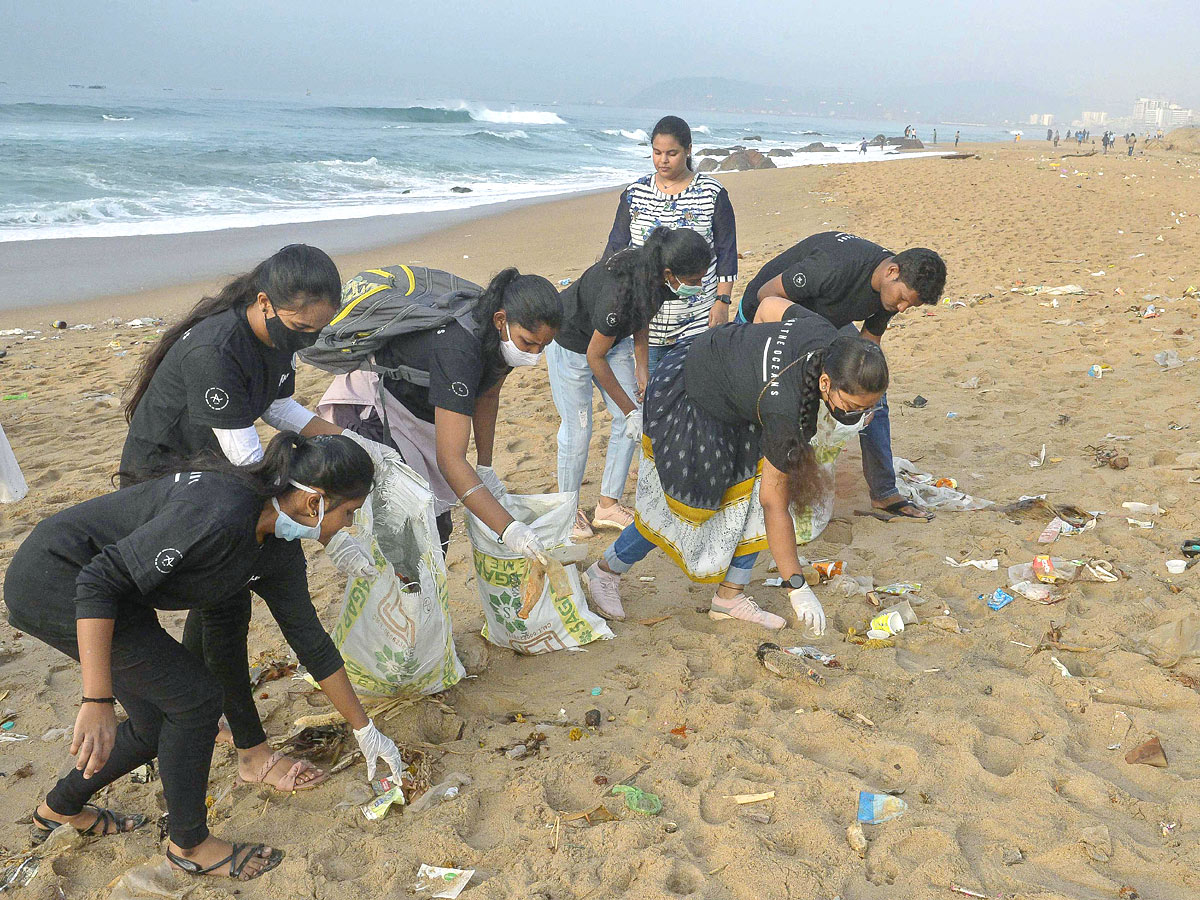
{"points": [[200, 389], [604, 343], [89, 581], [514, 320], [743, 427]]}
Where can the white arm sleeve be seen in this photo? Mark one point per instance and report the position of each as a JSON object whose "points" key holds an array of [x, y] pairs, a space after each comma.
{"points": [[241, 446], [287, 415]]}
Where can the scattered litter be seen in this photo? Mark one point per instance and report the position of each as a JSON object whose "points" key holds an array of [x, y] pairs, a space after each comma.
{"points": [[856, 839], [970, 384], [19, 874], [447, 789], [852, 585], [1143, 509], [1169, 359], [155, 880], [742, 799], [646, 579], [1035, 289], [917, 402], [378, 807], [1177, 566], [1066, 673], [638, 800], [58, 324], [786, 665], [1047, 570], [655, 621], [435, 881], [1148, 754], [143, 774], [591, 718], [885, 625], [1038, 593], [1039, 460], [968, 893], [12, 332], [1000, 599], [983, 565], [592, 816], [828, 660], [921, 488], [596, 692], [1112, 732], [874, 809], [1097, 370], [1152, 312], [773, 582], [1139, 523], [900, 588], [144, 322]]}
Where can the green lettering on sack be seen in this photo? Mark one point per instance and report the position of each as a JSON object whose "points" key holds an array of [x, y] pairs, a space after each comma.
{"points": [[575, 624]]}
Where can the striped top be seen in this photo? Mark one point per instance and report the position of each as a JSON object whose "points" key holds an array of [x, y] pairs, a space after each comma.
{"points": [[704, 207]]}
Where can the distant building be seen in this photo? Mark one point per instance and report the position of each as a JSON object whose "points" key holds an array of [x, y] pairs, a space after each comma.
{"points": [[1091, 119], [1152, 114], [1043, 119]]}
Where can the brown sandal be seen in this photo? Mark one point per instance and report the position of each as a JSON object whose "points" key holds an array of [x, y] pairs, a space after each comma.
{"points": [[287, 784]]}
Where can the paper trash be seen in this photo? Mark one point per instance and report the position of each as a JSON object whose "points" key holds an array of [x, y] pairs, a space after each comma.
{"points": [[434, 881]]}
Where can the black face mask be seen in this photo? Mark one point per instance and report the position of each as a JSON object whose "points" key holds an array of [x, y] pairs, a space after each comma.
{"points": [[841, 415], [289, 339]]}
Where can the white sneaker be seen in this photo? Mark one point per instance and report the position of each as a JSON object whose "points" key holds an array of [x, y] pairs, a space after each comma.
{"points": [[604, 590], [743, 607], [582, 530]]}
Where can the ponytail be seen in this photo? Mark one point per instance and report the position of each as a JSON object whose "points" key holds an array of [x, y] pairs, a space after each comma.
{"points": [[293, 278], [639, 270], [530, 301]]}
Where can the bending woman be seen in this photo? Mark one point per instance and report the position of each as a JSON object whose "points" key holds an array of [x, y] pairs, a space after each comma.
{"points": [[744, 425], [515, 318], [89, 581], [604, 341], [677, 197], [200, 389]]}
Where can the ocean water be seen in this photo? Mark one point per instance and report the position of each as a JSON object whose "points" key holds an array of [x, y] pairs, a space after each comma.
{"points": [[93, 163]]}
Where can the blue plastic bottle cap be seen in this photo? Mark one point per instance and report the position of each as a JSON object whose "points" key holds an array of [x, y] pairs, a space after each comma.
{"points": [[596, 692]]}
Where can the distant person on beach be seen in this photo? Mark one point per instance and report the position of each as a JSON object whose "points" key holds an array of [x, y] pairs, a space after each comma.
{"points": [[744, 425], [1056, 139], [956, 136], [1049, 134], [935, 137], [676, 196], [200, 389], [1132, 144], [604, 343], [431, 416], [90, 581], [848, 279], [862, 147]]}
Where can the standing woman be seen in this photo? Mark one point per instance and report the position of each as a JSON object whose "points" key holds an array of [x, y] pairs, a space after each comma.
{"points": [[743, 427], [89, 581], [200, 389], [677, 197], [604, 341], [515, 319]]}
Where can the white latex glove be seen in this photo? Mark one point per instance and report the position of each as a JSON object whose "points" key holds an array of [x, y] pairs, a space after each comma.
{"points": [[491, 481], [520, 538], [378, 452], [350, 557], [633, 425], [376, 745], [808, 609]]}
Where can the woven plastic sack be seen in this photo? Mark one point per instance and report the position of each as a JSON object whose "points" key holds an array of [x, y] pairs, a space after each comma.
{"points": [[556, 622], [394, 631]]}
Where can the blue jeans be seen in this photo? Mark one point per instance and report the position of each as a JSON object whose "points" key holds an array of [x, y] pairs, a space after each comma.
{"points": [[657, 352], [876, 443], [572, 384], [630, 547]]}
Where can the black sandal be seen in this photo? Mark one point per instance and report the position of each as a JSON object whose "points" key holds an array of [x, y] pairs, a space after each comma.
{"points": [[236, 867], [44, 827], [894, 509]]}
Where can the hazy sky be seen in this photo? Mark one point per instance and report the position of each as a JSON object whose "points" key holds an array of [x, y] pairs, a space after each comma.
{"points": [[1100, 52]]}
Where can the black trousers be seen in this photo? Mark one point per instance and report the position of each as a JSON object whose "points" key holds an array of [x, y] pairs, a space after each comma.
{"points": [[173, 703]]}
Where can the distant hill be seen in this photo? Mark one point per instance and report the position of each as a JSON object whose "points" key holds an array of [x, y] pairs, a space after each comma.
{"points": [[726, 95]]}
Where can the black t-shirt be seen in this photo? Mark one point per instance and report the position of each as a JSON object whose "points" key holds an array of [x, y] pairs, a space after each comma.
{"points": [[591, 305], [829, 273], [217, 375], [728, 366], [459, 371], [184, 541]]}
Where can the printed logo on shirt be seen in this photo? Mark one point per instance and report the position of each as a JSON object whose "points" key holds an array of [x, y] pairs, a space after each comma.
{"points": [[799, 279], [459, 388], [252, 579], [611, 319], [284, 377], [186, 335], [440, 331], [166, 559], [216, 398], [192, 477]]}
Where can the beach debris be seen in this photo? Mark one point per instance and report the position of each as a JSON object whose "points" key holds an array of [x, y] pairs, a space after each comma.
{"points": [[591, 718], [857, 839], [1149, 753], [267, 669], [439, 882], [1118, 717], [379, 806], [1166, 829], [1097, 843], [946, 623], [593, 816], [1000, 599], [1040, 460], [638, 800], [885, 625], [1097, 370], [778, 661], [983, 565], [144, 322], [20, 873], [1038, 593], [1010, 856], [1169, 359], [1177, 566], [24, 395], [1047, 570], [12, 332], [922, 489], [58, 324], [1063, 670], [743, 799], [56, 734], [1139, 523], [828, 569], [828, 660], [874, 809], [1190, 548], [446, 789], [1142, 509], [144, 774], [1036, 289], [868, 643], [917, 402], [900, 588]]}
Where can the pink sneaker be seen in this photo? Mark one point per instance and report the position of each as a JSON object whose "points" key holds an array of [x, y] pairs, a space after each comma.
{"points": [[743, 607], [615, 516], [582, 530], [604, 590]]}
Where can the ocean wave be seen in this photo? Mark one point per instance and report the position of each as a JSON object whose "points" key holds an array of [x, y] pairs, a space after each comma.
{"points": [[702, 129], [487, 134], [638, 134], [63, 112], [108, 118], [433, 115], [516, 116]]}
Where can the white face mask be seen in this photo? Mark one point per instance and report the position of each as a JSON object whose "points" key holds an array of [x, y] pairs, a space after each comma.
{"points": [[288, 529], [514, 355]]}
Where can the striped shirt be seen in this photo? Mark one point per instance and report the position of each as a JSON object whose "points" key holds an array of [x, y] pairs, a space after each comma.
{"points": [[704, 207]]}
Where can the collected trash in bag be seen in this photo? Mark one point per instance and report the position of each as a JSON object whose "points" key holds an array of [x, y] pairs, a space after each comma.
{"points": [[921, 488], [1167, 644], [396, 637], [12, 482], [555, 619]]}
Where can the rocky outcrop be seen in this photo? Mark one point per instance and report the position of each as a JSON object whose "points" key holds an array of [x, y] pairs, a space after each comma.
{"points": [[743, 160], [779, 152], [708, 164], [818, 147]]}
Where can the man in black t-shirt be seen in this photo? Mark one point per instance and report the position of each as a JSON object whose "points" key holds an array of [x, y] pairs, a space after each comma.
{"points": [[848, 279]]}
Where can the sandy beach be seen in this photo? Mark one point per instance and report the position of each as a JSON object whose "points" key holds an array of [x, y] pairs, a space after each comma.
{"points": [[1007, 765]]}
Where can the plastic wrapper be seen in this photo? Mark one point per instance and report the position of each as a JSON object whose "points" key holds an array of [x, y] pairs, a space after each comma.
{"points": [[1167, 644], [851, 585], [12, 482], [921, 488], [876, 808]]}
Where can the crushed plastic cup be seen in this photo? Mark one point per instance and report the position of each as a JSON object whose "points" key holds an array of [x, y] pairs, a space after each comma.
{"points": [[874, 809], [1177, 566], [885, 625]]}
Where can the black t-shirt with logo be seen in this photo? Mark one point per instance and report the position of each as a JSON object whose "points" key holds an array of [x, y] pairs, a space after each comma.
{"points": [[728, 366], [459, 371], [183, 541], [217, 375], [590, 305], [829, 273]]}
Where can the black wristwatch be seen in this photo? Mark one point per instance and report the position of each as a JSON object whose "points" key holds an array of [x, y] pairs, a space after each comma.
{"points": [[794, 582], [721, 298]]}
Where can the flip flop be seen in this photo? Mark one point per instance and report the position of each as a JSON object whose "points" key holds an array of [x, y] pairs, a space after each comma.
{"points": [[895, 510], [44, 827], [877, 514], [236, 866], [287, 784]]}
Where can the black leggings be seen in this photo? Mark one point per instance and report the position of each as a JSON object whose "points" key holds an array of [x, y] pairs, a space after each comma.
{"points": [[173, 704]]}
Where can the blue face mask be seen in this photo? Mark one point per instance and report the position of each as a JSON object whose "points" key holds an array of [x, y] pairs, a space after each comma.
{"points": [[288, 529]]}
